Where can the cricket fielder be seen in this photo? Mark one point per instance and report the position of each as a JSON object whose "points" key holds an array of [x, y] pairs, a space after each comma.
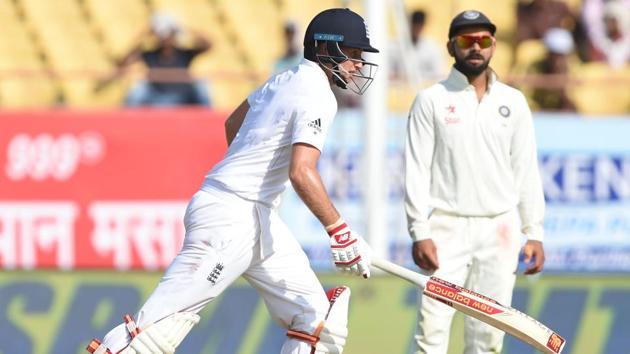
{"points": [[232, 223], [471, 158]]}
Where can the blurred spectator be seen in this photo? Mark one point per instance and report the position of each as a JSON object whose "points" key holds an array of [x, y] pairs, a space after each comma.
{"points": [[608, 27], [535, 17], [293, 50], [553, 96], [426, 55], [168, 81]]}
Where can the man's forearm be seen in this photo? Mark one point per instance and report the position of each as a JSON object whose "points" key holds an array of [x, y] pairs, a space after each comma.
{"points": [[308, 185], [234, 121]]}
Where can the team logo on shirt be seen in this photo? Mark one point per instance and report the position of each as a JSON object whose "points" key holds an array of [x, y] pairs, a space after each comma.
{"points": [[316, 124], [504, 111], [450, 117]]}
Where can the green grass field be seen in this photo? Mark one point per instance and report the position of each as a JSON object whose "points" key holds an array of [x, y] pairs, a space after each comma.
{"points": [[58, 312]]}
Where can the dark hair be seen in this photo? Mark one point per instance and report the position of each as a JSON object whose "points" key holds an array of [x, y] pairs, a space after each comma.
{"points": [[418, 17]]}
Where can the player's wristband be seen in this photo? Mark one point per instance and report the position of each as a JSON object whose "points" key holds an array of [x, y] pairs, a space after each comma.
{"points": [[335, 227]]}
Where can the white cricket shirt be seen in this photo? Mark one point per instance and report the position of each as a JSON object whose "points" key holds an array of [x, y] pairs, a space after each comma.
{"points": [[471, 158], [294, 106]]}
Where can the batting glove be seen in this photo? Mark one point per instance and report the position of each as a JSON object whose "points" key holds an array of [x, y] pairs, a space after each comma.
{"points": [[350, 252]]}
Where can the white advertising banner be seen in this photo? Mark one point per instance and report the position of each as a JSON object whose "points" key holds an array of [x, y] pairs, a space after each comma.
{"points": [[585, 168]]}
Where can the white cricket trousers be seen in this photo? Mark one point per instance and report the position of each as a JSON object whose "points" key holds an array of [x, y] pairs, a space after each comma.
{"points": [[479, 253], [227, 237]]}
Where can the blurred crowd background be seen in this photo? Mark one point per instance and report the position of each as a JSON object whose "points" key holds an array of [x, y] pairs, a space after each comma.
{"points": [[566, 55]]}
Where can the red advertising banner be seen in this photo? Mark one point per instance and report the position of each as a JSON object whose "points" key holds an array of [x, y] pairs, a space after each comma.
{"points": [[101, 189]]}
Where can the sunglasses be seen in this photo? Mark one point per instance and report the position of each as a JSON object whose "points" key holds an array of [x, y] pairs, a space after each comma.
{"points": [[465, 42]]}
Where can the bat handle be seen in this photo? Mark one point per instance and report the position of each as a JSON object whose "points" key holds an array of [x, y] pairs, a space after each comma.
{"points": [[402, 272]]}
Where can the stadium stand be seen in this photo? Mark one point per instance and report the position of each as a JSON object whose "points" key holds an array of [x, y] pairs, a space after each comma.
{"points": [[496, 10], [439, 15], [603, 90], [129, 17], [54, 52], [226, 65], [527, 53], [21, 83], [262, 43], [502, 59], [70, 48]]}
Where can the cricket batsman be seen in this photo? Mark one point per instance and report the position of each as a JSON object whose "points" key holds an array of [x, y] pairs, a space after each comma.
{"points": [[232, 224]]}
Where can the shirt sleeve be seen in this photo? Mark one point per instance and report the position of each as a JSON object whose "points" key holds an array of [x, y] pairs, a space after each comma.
{"points": [[310, 126], [252, 96], [524, 159], [419, 147]]}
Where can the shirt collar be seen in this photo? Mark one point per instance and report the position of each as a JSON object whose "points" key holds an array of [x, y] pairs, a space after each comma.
{"points": [[314, 65], [311, 64], [460, 81]]}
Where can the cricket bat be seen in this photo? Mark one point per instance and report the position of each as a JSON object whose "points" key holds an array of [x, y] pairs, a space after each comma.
{"points": [[481, 307]]}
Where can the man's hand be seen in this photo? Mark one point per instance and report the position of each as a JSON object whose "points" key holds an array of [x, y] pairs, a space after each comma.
{"points": [[425, 255], [350, 252], [533, 252]]}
